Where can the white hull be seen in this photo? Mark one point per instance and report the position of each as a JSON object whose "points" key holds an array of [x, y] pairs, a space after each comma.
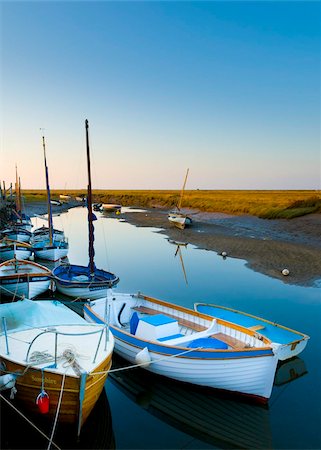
{"points": [[81, 292], [247, 366], [179, 221], [253, 376], [10, 254], [287, 343], [288, 351], [18, 237], [25, 289], [51, 254]]}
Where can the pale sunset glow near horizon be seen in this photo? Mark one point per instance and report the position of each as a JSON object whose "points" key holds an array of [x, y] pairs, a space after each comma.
{"points": [[230, 90]]}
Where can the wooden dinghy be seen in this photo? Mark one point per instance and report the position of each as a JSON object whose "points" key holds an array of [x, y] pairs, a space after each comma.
{"points": [[21, 278], [10, 249], [57, 361], [182, 344], [287, 342]]}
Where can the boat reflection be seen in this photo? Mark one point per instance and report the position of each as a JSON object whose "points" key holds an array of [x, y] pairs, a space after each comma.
{"points": [[289, 370], [96, 433], [209, 416], [204, 414]]}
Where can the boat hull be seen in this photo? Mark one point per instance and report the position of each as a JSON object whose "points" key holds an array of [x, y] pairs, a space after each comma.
{"points": [[23, 287], [51, 254], [246, 370], [75, 281], [179, 221], [287, 343], [29, 386], [10, 253]]}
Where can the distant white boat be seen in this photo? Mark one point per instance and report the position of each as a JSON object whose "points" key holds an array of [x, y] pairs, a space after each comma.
{"points": [[21, 278], [180, 343], [55, 202], [64, 198], [177, 217], [179, 220], [110, 207]]}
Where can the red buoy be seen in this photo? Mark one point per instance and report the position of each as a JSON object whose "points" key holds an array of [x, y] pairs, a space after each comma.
{"points": [[43, 402]]}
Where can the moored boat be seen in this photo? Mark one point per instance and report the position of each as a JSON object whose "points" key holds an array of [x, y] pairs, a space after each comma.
{"points": [[10, 249], [47, 247], [287, 342], [17, 233], [180, 343], [21, 278], [110, 207], [80, 281], [177, 217], [56, 360]]}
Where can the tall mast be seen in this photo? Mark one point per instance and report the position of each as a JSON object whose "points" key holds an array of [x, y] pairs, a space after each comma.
{"points": [[91, 250], [18, 205], [48, 193], [182, 191]]}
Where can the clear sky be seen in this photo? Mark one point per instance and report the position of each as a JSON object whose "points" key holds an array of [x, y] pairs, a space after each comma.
{"points": [[229, 89]]}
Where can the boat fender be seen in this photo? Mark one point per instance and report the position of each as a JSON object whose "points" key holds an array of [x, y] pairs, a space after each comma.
{"points": [[8, 381], [43, 402], [143, 357]]}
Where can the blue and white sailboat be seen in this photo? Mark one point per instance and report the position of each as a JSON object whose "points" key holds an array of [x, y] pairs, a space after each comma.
{"points": [[81, 281], [49, 248]]}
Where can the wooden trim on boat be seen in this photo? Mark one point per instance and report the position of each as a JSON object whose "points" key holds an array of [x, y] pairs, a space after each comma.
{"points": [[204, 316]]}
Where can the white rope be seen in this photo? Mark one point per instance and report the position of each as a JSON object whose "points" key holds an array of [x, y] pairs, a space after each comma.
{"points": [[29, 421], [147, 362], [57, 412]]}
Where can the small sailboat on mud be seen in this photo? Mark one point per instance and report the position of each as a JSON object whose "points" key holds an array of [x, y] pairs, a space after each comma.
{"points": [[177, 217], [48, 247], [81, 281]]}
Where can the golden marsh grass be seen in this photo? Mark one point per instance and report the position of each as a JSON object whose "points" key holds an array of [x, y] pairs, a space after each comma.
{"points": [[266, 204]]}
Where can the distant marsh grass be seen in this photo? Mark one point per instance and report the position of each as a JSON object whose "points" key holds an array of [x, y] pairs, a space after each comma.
{"points": [[265, 204]]}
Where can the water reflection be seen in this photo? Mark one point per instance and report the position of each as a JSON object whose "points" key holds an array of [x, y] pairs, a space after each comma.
{"points": [[145, 260], [96, 433], [201, 413]]}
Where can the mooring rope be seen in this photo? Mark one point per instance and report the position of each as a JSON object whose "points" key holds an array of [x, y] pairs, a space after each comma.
{"points": [[29, 421], [57, 411], [147, 362]]}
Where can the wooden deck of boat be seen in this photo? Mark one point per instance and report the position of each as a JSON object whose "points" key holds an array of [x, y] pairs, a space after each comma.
{"points": [[230, 341], [182, 322]]}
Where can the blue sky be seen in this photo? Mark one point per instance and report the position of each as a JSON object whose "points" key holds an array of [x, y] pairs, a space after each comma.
{"points": [[229, 89]]}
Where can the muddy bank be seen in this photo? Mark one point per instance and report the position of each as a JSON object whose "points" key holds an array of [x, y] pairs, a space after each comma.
{"points": [[268, 246]]}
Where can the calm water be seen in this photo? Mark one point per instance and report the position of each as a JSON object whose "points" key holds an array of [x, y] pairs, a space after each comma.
{"points": [[148, 412]]}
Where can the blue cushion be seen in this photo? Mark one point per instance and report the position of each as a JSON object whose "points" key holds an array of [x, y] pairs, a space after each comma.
{"points": [[207, 343], [133, 323], [158, 319], [173, 336]]}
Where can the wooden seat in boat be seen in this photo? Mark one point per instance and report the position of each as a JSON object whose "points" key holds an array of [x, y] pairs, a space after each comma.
{"points": [[182, 322], [232, 342]]}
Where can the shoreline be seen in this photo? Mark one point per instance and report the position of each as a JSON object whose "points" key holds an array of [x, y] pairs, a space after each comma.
{"points": [[267, 246]]}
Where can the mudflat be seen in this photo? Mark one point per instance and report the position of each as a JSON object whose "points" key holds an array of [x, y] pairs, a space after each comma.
{"points": [[268, 246]]}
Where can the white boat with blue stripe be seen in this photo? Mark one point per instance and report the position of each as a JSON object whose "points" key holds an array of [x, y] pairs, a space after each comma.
{"points": [[289, 343], [185, 345]]}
